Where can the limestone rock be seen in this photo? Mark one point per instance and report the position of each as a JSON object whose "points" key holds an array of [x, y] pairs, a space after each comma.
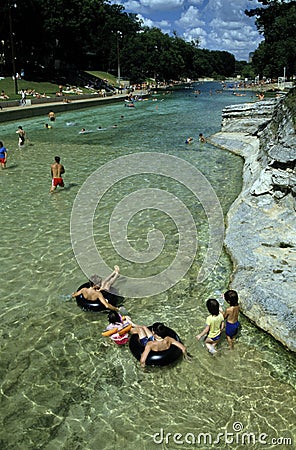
{"points": [[261, 231], [247, 117]]}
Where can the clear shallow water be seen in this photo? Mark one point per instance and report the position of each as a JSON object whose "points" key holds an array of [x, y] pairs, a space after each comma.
{"points": [[63, 386]]}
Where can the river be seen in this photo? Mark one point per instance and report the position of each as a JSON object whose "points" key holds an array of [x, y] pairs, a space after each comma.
{"points": [[63, 385]]}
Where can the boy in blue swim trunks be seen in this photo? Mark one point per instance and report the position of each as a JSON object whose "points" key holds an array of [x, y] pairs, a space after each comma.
{"points": [[156, 340], [231, 316], [145, 335]]}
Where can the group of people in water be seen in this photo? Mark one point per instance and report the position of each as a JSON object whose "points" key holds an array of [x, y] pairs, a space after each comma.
{"points": [[215, 321], [201, 139], [155, 338], [3, 150]]}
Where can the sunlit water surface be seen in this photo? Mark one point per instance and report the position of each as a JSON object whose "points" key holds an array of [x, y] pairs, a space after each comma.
{"points": [[64, 386]]}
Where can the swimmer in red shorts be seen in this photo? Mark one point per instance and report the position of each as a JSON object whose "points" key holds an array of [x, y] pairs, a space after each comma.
{"points": [[57, 169], [3, 155], [57, 182]]}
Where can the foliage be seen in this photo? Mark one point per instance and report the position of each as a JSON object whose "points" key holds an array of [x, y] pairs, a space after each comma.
{"points": [[245, 70], [276, 20], [51, 36]]}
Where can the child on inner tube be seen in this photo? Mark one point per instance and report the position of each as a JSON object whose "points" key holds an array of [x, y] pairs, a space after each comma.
{"points": [[156, 340], [118, 321], [93, 293]]}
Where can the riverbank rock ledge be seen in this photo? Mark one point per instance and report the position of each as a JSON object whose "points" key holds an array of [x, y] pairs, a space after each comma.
{"points": [[260, 229]]}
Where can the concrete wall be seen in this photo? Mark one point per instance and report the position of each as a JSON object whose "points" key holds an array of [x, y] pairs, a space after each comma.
{"points": [[33, 110]]}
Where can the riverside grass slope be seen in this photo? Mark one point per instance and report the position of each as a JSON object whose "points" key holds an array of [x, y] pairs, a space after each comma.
{"points": [[8, 85]]}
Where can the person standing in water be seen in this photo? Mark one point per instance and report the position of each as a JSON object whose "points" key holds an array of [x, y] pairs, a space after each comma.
{"points": [[57, 169], [231, 315], [201, 138], [214, 326], [22, 136], [51, 116], [3, 155]]}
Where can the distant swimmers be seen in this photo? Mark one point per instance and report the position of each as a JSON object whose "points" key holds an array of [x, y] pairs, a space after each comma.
{"points": [[189, 140], [84, 131]]}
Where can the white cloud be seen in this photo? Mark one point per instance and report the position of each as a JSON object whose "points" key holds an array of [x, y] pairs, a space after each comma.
{"points": [[217, 24], [227, 27], [164, 23], [228, 9], [146, 22], [195, 2], [196, 34], [152, 5], [162, 4], [190, 18], [131, 5], [233, 39]]}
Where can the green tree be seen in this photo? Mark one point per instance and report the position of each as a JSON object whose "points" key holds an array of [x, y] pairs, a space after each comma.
{"points": [[276, 21], [95, 34], [246, 70], [71, 31]]}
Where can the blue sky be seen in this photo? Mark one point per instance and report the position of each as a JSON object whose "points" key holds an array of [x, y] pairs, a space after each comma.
{"points": [[217, 24]]}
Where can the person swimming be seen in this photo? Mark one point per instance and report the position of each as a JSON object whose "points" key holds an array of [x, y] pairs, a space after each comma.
{"points": [[201, 138], [84, 131]]}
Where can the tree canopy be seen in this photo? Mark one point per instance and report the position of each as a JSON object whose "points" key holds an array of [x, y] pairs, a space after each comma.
{"points": [[95, 35], [276, 21]]}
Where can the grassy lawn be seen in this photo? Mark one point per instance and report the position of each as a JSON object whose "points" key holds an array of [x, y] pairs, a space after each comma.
{"points": [[7, 85], [112, 79]]}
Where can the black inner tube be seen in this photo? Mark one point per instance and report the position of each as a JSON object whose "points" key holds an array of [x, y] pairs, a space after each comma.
{"points": [[156, 358], [87, 305]]}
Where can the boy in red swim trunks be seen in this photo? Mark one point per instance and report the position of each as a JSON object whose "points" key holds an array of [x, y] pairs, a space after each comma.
{"points": [[3, 155], [57, 170]]}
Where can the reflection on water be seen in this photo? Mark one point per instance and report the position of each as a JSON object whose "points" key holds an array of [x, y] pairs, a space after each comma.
{"points": [[63, 386]]}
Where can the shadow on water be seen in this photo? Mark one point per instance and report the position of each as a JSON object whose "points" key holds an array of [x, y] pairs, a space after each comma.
{"points": [[69, 186], [11, 167]]}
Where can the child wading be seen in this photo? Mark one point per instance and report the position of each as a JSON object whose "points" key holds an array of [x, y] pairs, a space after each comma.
{"points": [[214, 326], [231, 316]]}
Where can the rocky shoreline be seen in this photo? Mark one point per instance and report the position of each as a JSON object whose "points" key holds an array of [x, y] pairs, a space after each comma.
{"points": [[260, 228]]}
